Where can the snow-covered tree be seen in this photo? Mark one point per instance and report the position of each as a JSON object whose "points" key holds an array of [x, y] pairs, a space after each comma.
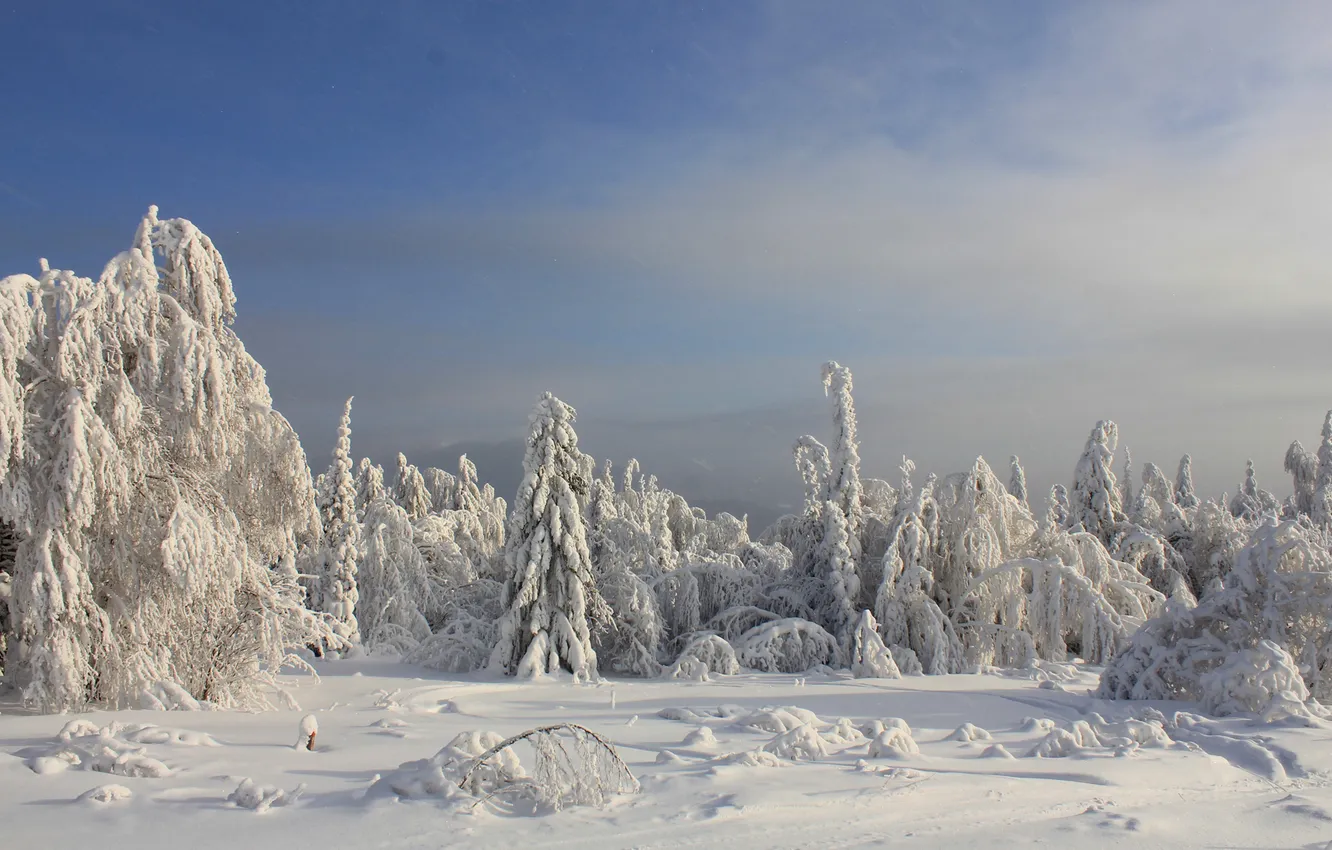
{"points": [[395, 590], [843, 584], [1095, 498], [334, 590], [1303, 468], [1058, 512], [1017, 480], [843, 483], [1185, 494], [411, 492], [1278, 591], [1322, 499], [369, 484], [158, 499], [1126, 481], [550, 585], [1251, 501]]}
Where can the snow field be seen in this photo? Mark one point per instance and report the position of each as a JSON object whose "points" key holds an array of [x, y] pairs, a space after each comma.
{"points": [[770, 760]]}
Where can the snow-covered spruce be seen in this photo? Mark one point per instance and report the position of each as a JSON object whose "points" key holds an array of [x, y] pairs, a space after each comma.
{"points": [[334, 589], [545, 624]]}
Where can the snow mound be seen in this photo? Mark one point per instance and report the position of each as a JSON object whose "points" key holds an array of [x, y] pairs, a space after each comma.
{"points": [[103, 794], [1122, 738], [750, 758], [1034, 725], [696, 716], [968, 732], [893, 743], [261, 798], [115, 749], [844, 732], [996, 751], [874, 728], [803, 743], [778, 720], [701, 737]]}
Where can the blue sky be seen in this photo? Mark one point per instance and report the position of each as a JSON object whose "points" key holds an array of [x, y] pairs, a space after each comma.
{"points": [[1009, 218]]}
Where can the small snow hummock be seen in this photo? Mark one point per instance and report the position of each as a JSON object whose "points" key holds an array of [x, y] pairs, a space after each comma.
{"points": [[893, 743], [106, 794], [261, 798], [309, 729], [967, 733]]}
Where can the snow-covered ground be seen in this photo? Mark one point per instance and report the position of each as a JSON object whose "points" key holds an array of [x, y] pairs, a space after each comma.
{"points": [[1169, 780]]}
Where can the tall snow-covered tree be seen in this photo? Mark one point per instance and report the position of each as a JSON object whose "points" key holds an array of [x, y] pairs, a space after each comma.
{"points": [[335, 589], [1185, 494], [1017, 480], [1094, 499], [1322, 499], [1303, 468], [159, 500], [1126, 482], [843, 483], [550, 587]]}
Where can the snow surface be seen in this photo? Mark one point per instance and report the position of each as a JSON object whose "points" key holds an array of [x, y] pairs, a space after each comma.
{"points": [[750, 760]]}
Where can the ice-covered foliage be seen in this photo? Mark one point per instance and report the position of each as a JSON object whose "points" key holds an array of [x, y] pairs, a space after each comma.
{"points": [[787, 646], [158, 498], [572, 766], [631, 641], [704, 654], [395, 589], [1278, 590], [550, 582]]}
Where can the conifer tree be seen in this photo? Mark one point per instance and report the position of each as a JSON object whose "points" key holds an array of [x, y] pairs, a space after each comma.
{"points": [[1322, 500], [550, 588], [1095, 497], [843, 483], [411, 492], [1303, 468], [1017, 480], [335, 592], [1185, 496]]}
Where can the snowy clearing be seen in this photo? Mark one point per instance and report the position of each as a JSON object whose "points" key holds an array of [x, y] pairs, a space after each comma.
{"points": [[765, 760]]}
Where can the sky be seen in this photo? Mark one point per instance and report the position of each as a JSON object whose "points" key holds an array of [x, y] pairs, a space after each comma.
{"points": [[1010, 218]]}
